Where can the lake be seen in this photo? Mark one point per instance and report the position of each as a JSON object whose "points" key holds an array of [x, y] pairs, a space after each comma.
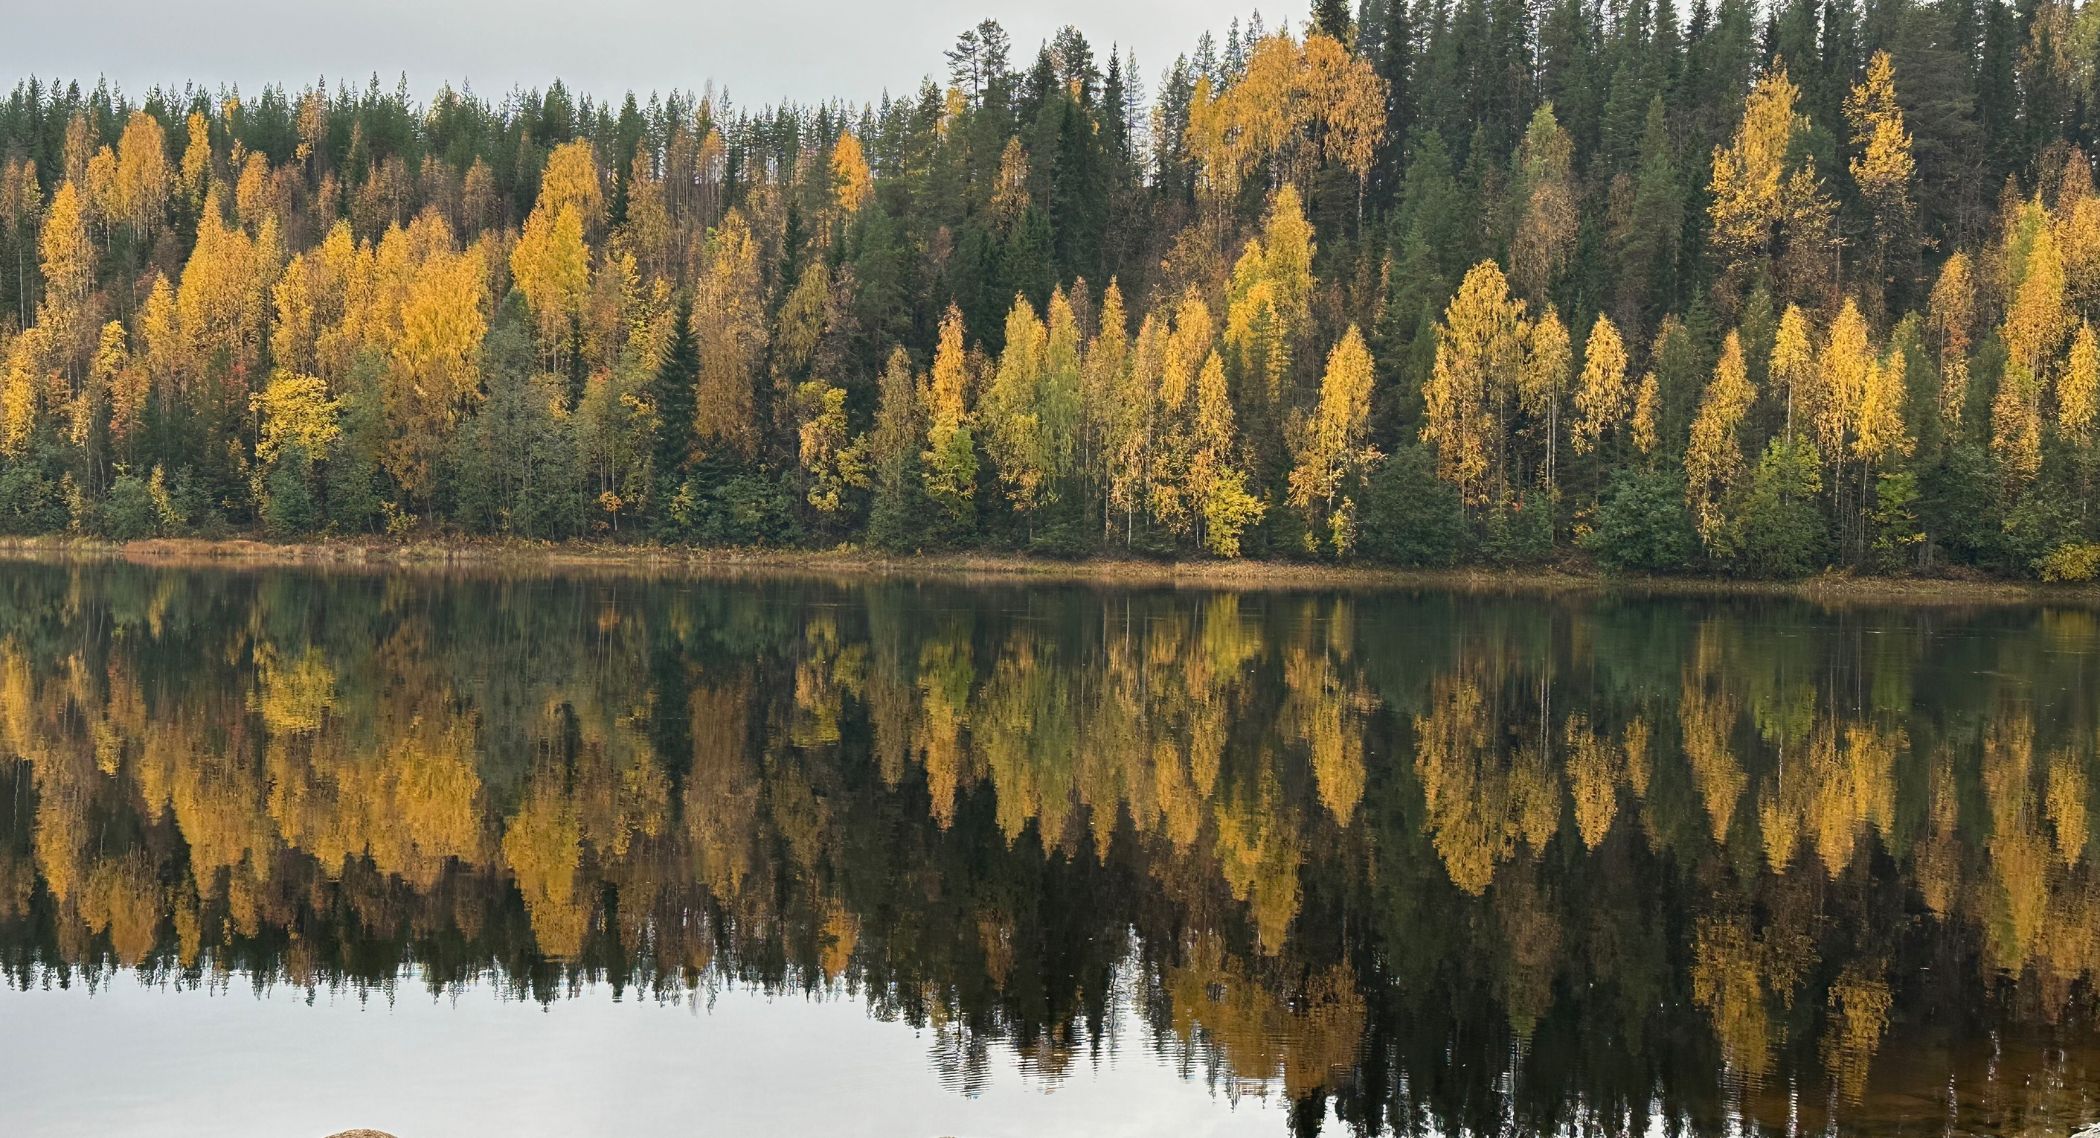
{"points": [[284, 852]]}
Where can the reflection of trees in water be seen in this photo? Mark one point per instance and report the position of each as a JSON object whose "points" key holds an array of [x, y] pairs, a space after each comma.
{"points": [[1431, 861]]}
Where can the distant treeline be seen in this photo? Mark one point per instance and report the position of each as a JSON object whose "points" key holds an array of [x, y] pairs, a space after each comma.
{"points": [[1445, 282]]}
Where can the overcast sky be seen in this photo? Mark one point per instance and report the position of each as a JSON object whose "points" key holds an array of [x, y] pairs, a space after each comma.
{"points": [[762, 50]]}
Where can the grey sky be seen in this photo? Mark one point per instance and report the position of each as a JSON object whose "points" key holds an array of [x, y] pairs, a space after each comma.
{"points": [[761, 50]]}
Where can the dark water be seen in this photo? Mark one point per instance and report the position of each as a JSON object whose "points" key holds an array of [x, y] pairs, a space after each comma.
{"points": [[282, 853]]}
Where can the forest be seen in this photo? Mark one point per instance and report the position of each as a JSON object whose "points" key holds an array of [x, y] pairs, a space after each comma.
{"points": [[1739, 290]]}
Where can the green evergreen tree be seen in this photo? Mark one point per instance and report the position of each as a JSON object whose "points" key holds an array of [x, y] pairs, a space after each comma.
{"points": [[672, 391]]}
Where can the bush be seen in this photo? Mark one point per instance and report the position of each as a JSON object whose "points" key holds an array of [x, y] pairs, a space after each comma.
{"points": [[1409, 516], [742, 509], [1518, 532], [1958, 506], [2072, 561], [29, 502], [1783, 532], [2044, 522], [128, 513], [1642, 525], [1894, 520], [1064, 535], [288, 499]]}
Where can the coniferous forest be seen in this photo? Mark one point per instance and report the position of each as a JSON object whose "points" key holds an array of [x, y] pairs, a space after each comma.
{"points": [[1736, 289]]}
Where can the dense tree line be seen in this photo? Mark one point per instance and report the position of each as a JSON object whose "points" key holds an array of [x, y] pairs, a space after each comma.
{"points": [[1749, 290]]}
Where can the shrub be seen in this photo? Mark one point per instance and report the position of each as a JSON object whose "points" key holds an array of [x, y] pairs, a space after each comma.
{"points": [[1783, 532], [29, 502], [2071, 561], [1409, 516], [288, 500], [1894, 520], [128, 513], [1517, 532], [1642, 525], [742, 509]]}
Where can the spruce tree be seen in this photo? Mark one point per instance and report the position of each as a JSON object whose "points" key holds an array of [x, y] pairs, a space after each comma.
{"points": [[672, 391], [1331, 18]]}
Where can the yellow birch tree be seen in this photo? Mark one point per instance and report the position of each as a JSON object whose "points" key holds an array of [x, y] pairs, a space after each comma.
{"points": [[1713, 459]]}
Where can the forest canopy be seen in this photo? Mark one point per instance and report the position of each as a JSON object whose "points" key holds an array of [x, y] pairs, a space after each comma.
{"points": [[1734, 289]]}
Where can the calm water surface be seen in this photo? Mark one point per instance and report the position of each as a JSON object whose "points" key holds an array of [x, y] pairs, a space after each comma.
{"points": [[282, 853]]}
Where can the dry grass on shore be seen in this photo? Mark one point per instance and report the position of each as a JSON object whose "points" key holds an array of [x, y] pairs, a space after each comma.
{"points": [[482, 556]]}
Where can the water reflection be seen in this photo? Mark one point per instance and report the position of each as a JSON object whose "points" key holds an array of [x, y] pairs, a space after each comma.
{"points": [[1427, 863]]}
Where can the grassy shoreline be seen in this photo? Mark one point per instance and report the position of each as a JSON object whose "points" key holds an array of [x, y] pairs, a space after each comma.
{"points": [[507, 556]]}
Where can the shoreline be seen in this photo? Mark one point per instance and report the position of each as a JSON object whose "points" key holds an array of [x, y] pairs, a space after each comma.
{"points": [[484, 555]]}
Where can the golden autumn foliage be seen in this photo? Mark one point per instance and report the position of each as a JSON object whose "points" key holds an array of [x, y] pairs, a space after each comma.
{"points": [[1030, 406], [1861, 1002], [1765, 202], [1713, 459], [552, 268], [571, 179], [1882, 166], [1297, 103], [1793, 363], [829, 462], [287, 777], [1481, 808], [729, 328], [1546, 201], [1330, 448], [1952, 315], [1215, 484], [2037, 320], [1479, 351], [2078, 385], [1268, 303], [222, 304], [196, 157], [1647, 407], [295, 411], [435, 364], [1879, 433], [21, 390], [1603, 394], [1542, 384], [950, 459], [1727, 982], [852, 183], [172, 259], [67, 257], [143, 177], [1843, 371]]}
